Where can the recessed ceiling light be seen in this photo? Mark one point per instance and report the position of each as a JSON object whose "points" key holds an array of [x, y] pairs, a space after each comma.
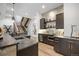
{"points": [[12, 9], [43, 6]]}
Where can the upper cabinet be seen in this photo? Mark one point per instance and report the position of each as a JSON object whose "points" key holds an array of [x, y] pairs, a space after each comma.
{"points": [[60, 21], [42, 23]]}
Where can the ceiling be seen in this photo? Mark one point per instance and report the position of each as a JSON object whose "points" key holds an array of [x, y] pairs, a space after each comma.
{"points": [[25, 9]]}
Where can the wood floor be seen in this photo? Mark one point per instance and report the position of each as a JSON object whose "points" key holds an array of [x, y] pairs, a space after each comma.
{"points": [[47, 50]]}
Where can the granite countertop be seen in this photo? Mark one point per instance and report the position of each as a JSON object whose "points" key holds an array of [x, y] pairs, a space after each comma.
{"points": [[46, 34], [26, 42], [7, 41], [22, 43], [68, 37]]}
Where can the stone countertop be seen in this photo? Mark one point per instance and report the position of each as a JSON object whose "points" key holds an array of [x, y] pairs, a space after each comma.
{"points": [[46, 34], [22, 43], [7, 41], [68, 37], [26, 42]]}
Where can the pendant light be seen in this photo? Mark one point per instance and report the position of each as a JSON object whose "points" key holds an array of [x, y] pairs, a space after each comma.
{"points": [[13, 18]]}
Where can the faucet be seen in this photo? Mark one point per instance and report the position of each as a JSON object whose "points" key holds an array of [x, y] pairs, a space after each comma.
{"points": [[72, 26]]}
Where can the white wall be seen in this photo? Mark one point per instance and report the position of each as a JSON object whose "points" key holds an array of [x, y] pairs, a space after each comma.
{"points": [[7, 21], [52, 13], [34, 21], [71, 17]]}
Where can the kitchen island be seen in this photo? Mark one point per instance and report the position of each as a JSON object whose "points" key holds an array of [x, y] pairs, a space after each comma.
{"points": [[18, 46], [28, 46]]}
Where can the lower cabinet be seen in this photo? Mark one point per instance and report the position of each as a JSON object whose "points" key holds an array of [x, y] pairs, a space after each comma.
{"points": [[67, 47], [46, 38], [8, 51], [29, 51], [74, 48], [57, 45], [62, 46]]}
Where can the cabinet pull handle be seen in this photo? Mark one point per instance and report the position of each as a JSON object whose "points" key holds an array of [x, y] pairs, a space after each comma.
{"points": [[50, 40], [56, 41]]}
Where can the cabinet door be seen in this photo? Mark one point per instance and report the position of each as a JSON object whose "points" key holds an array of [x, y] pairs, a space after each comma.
{"points": [[60, 21], [45, 39], [40, 37], [57, 45], [75, 48], [42, 23], [64, 46], [51, 40], [29, 51]]}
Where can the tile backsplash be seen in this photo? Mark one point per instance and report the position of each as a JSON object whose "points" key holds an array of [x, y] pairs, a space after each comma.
{"points": [[56, 32], [42, 31], [59, 32]]}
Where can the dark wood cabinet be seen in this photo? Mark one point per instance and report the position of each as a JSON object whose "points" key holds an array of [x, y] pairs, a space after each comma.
{"points": [[67, 47], [42, 23], [29, 51], [51, 40], [57, 46], [60, 21], [60, 45], [74, 45], [46, 38], [43, 38], [64, 46]]}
